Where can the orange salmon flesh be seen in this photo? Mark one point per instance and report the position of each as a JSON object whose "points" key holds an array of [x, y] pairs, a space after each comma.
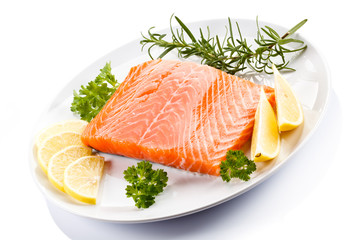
{"points": [[180, 114]]}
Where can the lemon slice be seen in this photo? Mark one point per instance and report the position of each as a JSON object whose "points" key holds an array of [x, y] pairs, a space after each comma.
{"points": [[82, 178], [62, 159], [54, 144], [74, 125], [265, 143], [289, 110]]}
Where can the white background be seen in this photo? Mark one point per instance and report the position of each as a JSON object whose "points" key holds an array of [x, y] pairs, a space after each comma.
{"points": [[44, 44]]}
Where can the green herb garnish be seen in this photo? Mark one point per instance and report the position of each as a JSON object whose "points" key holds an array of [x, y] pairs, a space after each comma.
{"points": [[91, 98], [236, 165], [232, 54], [146, 183]]}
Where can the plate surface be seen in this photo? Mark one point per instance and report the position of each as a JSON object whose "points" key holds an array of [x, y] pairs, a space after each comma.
{"points": [[186, 192]]}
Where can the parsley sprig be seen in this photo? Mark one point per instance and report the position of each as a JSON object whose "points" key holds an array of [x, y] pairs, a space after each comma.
{"points": [[146, 183], [236, 165], [92, 97]]}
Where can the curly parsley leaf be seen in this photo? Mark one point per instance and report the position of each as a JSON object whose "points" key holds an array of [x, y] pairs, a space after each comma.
{"points": [[236, 165], [92, 97], [146, 183]]}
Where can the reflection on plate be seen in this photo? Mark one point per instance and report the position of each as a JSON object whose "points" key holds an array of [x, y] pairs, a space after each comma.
{"points": [[186, 192]]}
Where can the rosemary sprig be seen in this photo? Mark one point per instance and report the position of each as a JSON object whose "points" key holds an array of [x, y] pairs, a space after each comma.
{"points": [[232, 54]]}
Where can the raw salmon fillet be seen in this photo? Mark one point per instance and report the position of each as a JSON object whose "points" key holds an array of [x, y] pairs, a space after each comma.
{"points": [[180, 114]]}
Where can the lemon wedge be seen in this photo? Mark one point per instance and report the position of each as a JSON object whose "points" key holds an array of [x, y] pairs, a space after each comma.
{"points": [[74, 125], [265, 143], [54, 144], [82, 178], [59, 162], [289, 110]]}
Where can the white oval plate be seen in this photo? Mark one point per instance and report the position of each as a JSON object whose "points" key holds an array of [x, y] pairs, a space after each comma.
{"points": [[186, 192]]}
